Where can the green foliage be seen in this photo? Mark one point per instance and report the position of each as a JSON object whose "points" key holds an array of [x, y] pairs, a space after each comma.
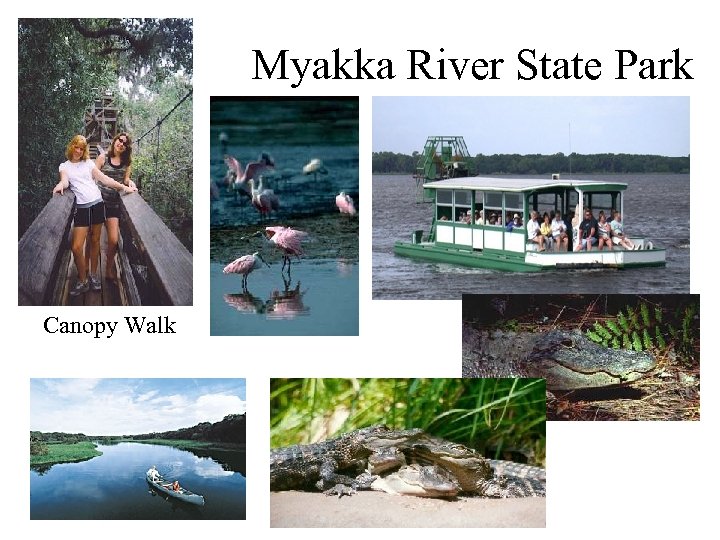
{"points": [[633, 329], [686, 337], [490, 414], [37, 445], [645, 314], [602, 331], [390, 162], [60, 453], [163, 160], [623, 322], [614, 328], [510, 325], [646, 340], [659, 338], [61, 65], [594, 337]]}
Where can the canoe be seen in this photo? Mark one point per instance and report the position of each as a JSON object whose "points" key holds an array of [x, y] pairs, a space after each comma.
{"points": [[183, 494]]}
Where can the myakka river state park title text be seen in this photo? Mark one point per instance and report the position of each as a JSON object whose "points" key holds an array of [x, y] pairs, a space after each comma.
{"points": [[531, 65]]}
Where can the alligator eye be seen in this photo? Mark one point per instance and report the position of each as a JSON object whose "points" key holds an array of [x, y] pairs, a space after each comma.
{"points": [[567, 342]]}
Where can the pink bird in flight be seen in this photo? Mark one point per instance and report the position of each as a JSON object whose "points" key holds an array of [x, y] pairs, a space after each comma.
{"points": [[238, 180]]}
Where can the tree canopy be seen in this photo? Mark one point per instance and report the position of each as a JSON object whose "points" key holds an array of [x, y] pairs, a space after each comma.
{"points": [[62, 66]]}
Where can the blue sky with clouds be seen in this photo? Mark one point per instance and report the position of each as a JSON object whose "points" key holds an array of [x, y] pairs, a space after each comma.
{"points": [[536, 125], [130, 406]]}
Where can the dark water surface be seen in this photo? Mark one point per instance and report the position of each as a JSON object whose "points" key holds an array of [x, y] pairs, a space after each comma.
{"points": [[320, 296], [657, 206], [113, 486]]}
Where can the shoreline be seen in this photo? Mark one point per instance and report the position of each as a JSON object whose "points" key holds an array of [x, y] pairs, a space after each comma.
{"points": [[66, 453]]}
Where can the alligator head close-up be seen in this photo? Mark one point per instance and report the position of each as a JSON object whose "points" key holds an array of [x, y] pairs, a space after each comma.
{"points": [[570, 361]]}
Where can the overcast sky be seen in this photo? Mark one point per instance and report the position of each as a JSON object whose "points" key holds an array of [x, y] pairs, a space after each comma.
{"points": [[536, 125], [131, 406]]}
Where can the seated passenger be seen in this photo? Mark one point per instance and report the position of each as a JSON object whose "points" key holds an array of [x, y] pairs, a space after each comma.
{"points": [[587, 232], [604, 232], [533, 231], [546, 230], [493, 219], [559, 233], [153, 474], [618, 237], [514, 223], [478, 217], [176, 486]]}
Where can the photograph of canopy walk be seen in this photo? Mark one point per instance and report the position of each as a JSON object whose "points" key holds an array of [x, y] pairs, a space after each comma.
{"points": [[133, 95]]}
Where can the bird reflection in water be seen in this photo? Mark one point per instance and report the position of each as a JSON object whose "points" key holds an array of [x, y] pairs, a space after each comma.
{"points": [[345, 267], [286, 304], [245, 302]]}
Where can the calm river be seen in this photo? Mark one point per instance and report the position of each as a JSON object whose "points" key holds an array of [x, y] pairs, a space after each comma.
{"points": [[113, 486], [657, 206]]}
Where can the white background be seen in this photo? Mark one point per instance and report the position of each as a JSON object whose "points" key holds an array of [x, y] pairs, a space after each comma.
{"points": [[656, 479]]}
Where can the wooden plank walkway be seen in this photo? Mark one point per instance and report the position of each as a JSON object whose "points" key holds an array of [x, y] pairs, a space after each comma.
{"points": [[109, 295]]}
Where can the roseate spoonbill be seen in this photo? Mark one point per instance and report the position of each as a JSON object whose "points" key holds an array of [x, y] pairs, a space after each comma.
{"points": [[314, 167], [286, 239], [345, 204], [244, 265], [264, 200], [238, 180]]}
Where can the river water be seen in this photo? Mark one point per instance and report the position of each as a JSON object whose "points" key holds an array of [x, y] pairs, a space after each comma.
{"points": [[657, 206], [113, 486]]}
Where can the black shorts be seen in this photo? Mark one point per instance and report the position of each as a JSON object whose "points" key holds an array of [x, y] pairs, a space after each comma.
{"points": [[112, 210], [94, 215], [112, 204]]}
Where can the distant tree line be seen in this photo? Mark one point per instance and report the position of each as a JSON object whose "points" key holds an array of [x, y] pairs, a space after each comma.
{"points": [[230, 429], [392, 163]]}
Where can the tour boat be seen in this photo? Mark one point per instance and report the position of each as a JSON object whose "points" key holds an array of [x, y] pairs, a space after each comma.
{"points": [[455, 237]]}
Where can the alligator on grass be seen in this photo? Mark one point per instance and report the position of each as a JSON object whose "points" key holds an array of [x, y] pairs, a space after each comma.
{"points": [[406, 462], [567, 360]]}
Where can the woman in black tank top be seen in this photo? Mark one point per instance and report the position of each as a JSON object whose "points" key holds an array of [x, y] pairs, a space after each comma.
{"points": [[116, 163]]}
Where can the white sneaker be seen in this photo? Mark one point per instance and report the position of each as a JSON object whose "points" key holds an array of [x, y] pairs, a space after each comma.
{"points": [[81, 287], [95, 284]]}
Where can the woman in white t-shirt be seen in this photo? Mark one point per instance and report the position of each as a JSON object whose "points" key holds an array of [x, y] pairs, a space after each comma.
{"points": [[79, 174]]}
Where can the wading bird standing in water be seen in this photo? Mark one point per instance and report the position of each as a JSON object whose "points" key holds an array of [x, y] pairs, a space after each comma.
{"points": [[314, 167], [238, 180], [286, 239], [244, 265], [345, 204], [264, 200]]}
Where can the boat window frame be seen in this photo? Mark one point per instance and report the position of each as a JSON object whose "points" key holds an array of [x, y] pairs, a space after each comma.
{"points": [[460, 207], [509, 211], [490, 208], [615, 202], [443, 209]]}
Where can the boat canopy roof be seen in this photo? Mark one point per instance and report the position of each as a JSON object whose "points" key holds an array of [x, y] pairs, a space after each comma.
{"points": [[523, 184]]}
